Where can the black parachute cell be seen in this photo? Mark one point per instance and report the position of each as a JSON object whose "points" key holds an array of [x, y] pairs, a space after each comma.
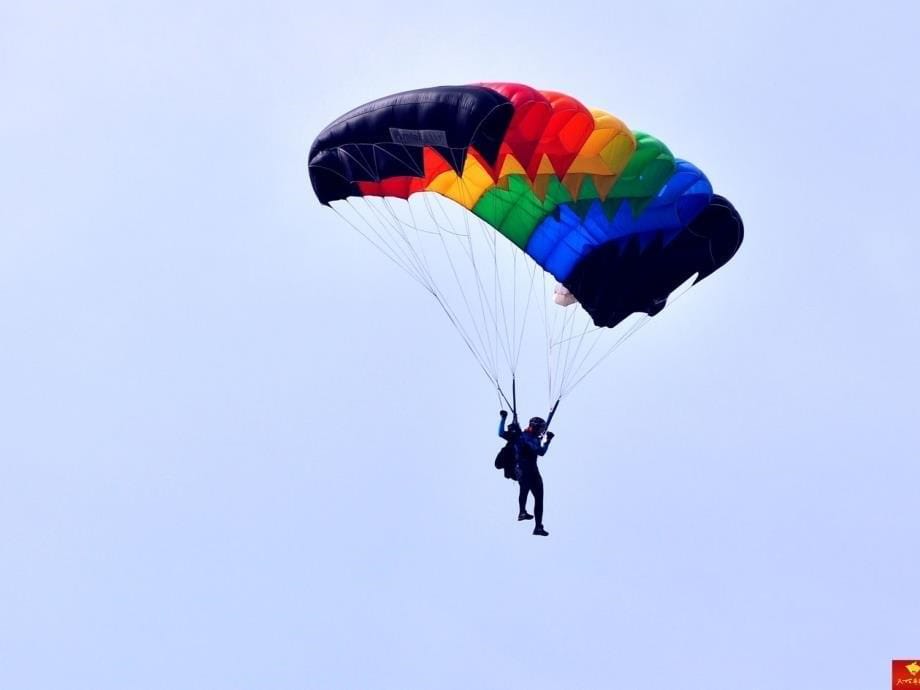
{"points": [[386, 138], [620, 278]]}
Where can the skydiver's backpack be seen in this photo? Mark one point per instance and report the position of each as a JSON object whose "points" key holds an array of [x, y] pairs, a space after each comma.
{"points": [[505, 460]]}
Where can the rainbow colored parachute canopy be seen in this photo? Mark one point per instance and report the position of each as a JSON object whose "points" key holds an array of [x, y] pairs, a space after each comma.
{"points": [[610, 212]]}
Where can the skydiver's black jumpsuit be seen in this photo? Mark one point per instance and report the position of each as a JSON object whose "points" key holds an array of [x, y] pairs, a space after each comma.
{"points": [[527, 447]]}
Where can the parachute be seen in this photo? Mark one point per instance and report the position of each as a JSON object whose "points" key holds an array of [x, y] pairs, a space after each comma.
{"points": [[513, 206]]}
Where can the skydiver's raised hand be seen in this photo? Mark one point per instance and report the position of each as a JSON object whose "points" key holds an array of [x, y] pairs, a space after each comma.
{"points": [[502, 413], [550, 436]]}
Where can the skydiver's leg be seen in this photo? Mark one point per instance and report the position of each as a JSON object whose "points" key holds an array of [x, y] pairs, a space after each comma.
{"points": [[536, 488], [522, 499], [524, 484]]}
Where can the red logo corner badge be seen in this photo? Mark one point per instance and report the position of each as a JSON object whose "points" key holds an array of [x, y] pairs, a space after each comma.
{"points": [[905, 674]]}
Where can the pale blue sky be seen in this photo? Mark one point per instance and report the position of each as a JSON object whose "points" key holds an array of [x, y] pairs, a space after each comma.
{"points": [[239, 449]]}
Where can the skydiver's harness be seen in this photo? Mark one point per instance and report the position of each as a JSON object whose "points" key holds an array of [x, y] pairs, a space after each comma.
{"points": [[513, 404], [507, 456]]}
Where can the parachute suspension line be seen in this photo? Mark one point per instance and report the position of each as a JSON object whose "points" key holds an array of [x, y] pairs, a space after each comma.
{"points": [[514, 337], [513, 295], [396, 238], [563, 351], [429, 284], [397, 225], [552, 413], [496, 280], [419, 171], [494, 304], [502, 289], [393, 236], [590, 331], [505, 397], [554, 352], [569, 361], [480, 287], [467, 248], [570, 341], [388, 252], [530, 290], [597, 337], [423, 276], [484, 351], [644, 319], [503, 302], [400, 237], [482, 365], [549, 391], [636, 326], [489, 238], [548, 332], [561, 321], [394, 224], [423, 258], [568, 319], [509, 330], [432, 284]]}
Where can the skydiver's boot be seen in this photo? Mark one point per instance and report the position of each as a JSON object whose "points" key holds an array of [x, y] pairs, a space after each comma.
{"points": [[540, 532], [524, 516]]}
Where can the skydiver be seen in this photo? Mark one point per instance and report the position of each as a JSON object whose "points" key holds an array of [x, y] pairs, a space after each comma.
{"points": [[528, 447]]}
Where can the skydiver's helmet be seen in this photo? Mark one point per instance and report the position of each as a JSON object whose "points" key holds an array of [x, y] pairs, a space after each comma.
{"points": [[537, 424]]}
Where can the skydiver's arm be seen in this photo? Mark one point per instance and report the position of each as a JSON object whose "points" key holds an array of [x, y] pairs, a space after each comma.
{"points": [[534, 443], [501, 427], [545, 446]]}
